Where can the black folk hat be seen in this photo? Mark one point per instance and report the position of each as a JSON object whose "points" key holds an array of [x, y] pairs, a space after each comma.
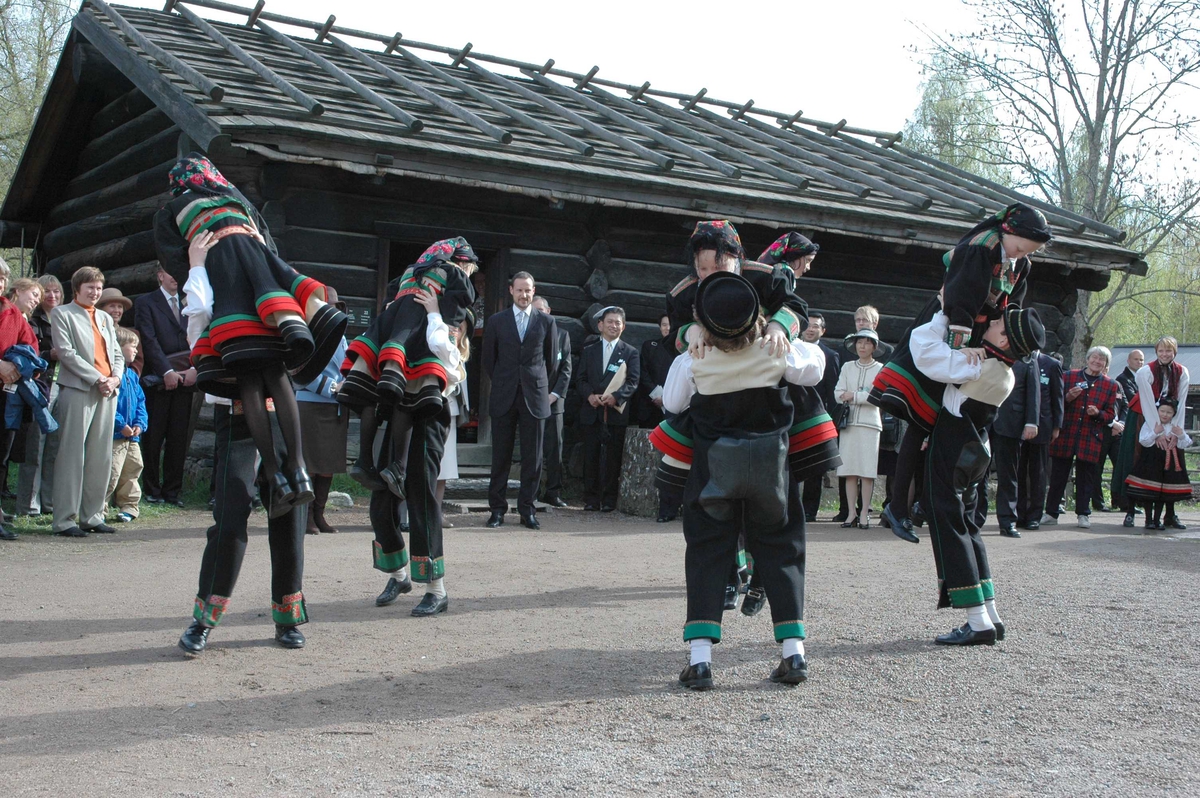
{"points": [[727, 305], [1025, 331]]}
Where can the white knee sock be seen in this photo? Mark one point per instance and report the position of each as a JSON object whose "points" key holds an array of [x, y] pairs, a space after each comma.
{"points": [[977, 617], [701, 650], [792, 646], [437, 587], [990, 606]]}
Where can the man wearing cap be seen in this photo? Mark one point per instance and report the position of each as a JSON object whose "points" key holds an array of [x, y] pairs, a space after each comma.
{"points": [[169, 380], [977, 381], [604, 412]]}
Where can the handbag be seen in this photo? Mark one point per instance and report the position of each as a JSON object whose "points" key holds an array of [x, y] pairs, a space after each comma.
{"points": [[841, 415]]}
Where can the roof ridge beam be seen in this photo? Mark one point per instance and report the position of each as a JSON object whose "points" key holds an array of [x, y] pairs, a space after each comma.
{"points": [[862, 192], [499, 134], [343, 77], [1108, 230], [656, 158], [834, 160], [214, 91], [253, 64], [548, 130], [639, 127]]}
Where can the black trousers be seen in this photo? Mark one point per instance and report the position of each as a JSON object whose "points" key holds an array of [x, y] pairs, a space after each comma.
{"points": [[504, 432], [772, 518], [811, 496], [170, 414], [949, 501], [1109, 450], [1086, 481], [426, 446], [1006, 457], [602, 462], [910, 470], [552, 451], [1032, 468], [234, 463]]}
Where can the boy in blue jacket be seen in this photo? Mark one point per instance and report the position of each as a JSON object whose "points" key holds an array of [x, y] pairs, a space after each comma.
{"points": [[131, 420]]}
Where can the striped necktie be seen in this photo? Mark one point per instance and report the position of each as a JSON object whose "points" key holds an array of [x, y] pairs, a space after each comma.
{"points": [[522, 323]]}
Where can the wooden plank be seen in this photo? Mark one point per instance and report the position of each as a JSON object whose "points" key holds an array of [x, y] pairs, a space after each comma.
{"points": [[847, 295], [645, 276], [144, 184], [119, 139], [158, 148], [128, 106], [549, 266], [639, 306], [347, 279], [137, 248], [132, 280], [116, 223], [567, 300], [840, 323], [94, 71], [327, 246]]}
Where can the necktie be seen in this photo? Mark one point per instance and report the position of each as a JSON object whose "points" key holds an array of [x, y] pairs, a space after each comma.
{"points": [[607, 354], [175, 307], [522, 322]]}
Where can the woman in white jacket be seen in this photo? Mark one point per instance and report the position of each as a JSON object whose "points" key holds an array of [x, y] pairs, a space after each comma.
{"points": [[858, 441]]}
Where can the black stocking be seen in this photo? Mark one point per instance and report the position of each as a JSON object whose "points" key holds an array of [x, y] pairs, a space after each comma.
{"points": [[908, 462], [287, 412], [400, 425], [254, 408], [368, 425]]}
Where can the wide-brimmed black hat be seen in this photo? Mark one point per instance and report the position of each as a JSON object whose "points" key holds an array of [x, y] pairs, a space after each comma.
{"points": [[1021, 220], [727, 305], [1025, 330]]}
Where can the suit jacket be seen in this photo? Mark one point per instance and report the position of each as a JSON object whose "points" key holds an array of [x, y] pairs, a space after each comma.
{"points": [[829, 377], [1050, 403], [656, 356], [162, 335], [594, 378], [560, 376], [71, 328], [1082, 435], [510, 362], [1023, 406], [1129, 390]]}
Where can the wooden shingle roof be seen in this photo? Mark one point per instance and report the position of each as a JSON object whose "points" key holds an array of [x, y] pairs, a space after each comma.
{"points": [[450, 113]]}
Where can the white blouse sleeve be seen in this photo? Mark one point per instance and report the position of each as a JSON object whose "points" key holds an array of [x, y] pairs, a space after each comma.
{"points": [[934, 357], [679, 387], [437, 337], [805, 363], [1177, 422], [1145, 388], [199, 305]]}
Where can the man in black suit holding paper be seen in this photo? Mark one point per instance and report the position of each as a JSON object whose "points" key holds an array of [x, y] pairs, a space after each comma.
{"points": [[604, 415], [169, 380], [520, 348], [560, 379]]}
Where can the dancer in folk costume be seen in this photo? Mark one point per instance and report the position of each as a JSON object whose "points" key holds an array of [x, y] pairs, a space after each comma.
{"points": [[1159, 477], [976, 382], [391, 364], [740, 414], [430, 425], [985, 273], [265, 320]]}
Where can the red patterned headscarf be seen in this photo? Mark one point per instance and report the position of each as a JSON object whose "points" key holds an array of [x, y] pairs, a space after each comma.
{"points": [[788, 247], [446, 250], [719, 235], [196, 173]]}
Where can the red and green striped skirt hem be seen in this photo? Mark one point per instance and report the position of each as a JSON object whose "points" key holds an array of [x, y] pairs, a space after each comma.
{"points": [[669, 441], [426, 367], [362, 348], [1150, 490], [894, 386], [237, 325], [811, 432]]}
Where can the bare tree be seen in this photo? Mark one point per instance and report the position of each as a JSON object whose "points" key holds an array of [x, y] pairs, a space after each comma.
{"points": [[1091, 98]]}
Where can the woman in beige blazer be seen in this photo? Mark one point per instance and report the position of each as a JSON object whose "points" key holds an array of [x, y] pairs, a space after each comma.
{"points": [[88, 378], [858, 441]]}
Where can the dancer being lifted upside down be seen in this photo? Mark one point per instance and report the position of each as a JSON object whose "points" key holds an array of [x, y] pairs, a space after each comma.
{"points": [[263, 321]]}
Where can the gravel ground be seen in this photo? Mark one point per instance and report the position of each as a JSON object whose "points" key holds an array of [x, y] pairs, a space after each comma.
{"points": [[554, 671]]}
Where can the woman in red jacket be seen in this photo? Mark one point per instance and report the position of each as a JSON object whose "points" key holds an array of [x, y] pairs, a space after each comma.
{"points": [[14, 329]]}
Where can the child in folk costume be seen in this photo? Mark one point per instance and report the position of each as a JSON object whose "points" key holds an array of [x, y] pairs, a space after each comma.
{"points": [[976, 381], [264, 320], [740, 414], [391, 364], [1159, 475]]}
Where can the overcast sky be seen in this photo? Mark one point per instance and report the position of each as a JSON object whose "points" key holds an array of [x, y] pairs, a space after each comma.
{"points": [[852, 59]]}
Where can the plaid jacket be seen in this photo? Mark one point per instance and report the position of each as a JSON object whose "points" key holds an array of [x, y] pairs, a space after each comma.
{"points": [[1082, 435]]}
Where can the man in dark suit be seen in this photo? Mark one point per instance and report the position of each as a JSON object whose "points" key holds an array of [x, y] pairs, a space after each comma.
{"points": [[1033, 466], [560, 378], [604, 416], [520, 349], [833, 366], [169, 379], [1016, 421]]}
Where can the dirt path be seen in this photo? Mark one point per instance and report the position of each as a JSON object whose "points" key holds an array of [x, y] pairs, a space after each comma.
{"points": [[554, 671]]}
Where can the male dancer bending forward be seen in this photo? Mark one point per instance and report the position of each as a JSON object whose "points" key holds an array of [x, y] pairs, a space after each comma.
{"points": [[739, 478], [978, 381]]}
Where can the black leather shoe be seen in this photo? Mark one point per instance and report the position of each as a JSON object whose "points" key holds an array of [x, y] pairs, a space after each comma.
{"points": [[840, 517], [7, 534], [303, 486], [73, 532], [810, 519], [1033, 526], [100, 528], [392, 478], [289, 636], [901, 527], [790, 670], [1009, 530], [393, 590], [282, 495], [530, 521], [591, 507], [917, 515], [1174, 523], [194, 638], [665, 519], [431, 605], [366, 477], [495, 519], [966, 636], [731, 597], [753, 603], [1128, 522], [153, 499], [607, 508], [697, 677], [999, 630], [554, 501]]}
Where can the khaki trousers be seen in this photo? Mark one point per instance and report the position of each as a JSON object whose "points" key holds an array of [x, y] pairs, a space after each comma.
{"points": [[123, 488], [84, 463]]}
